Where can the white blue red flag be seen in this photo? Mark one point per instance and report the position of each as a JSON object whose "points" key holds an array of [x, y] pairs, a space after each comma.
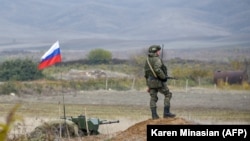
{"points": [[51, 57]]}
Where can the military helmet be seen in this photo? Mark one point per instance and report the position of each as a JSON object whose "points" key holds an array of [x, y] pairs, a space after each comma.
{"points": [[154, 48]]}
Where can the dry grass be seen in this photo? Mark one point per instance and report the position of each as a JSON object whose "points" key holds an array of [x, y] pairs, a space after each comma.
{"points": [[51, 111], [128, 116], [37, 113]]}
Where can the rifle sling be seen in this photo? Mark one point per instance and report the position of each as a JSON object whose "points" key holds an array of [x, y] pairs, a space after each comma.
{"points": [[151, 68]]}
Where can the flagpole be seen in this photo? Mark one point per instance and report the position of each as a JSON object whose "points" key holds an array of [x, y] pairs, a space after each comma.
{"points": [[49, 58], [64, 111], [64, 114]]}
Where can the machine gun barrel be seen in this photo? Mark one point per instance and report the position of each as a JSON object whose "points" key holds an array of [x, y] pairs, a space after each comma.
{"points": [[108, 122]]}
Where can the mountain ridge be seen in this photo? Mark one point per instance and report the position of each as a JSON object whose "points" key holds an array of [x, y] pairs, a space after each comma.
{"points": [[36, 23]]}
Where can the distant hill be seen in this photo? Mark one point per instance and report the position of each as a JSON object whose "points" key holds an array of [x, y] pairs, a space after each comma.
{"points": [[123, 25], [219, 54]]}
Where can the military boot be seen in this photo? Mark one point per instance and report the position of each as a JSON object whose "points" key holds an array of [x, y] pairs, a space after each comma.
{"points": [[167, 113], [154, 113]]}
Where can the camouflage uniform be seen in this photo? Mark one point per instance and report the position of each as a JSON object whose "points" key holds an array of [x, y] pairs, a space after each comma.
{"points": [[158, 83]]}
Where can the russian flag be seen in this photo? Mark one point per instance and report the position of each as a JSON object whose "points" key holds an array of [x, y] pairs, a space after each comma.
{"points": [[51, 57]]}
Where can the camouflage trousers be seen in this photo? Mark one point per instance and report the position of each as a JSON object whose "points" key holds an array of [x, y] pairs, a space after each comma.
{"points": [[154, 98]]}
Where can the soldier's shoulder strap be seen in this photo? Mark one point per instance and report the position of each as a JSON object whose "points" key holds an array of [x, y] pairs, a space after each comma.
{"points": [[151, 68]]}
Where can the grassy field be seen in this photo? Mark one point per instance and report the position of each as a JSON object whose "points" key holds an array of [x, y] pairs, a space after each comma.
{"points": [[201, 106]]}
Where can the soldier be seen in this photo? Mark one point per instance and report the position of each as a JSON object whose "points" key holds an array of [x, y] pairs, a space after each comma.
{"points": [[156, 78]]}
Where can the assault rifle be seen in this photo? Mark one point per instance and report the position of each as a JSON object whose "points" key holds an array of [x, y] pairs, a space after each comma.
{"points": [[169, 77]]}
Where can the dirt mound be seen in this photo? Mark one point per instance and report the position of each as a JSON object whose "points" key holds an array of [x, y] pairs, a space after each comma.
{"points": [[135, 132], [138, 131]]}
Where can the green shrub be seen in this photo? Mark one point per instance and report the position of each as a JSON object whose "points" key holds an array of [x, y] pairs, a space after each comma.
{"points": [[19, 70], [99, 56]]}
